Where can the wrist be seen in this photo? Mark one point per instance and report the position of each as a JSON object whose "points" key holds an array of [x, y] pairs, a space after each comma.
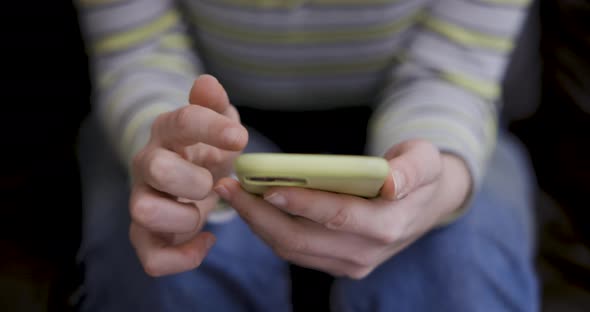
{"points": [[455, 188]]}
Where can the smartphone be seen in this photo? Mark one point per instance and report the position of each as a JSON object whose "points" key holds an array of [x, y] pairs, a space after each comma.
{"points": [[354, 175]]}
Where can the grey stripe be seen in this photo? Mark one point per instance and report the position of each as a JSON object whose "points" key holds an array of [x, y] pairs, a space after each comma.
{"points": [[496, 21], [131, 15], [139, 104], [131, 58], [307, 54], [311, 5], [166, 76], [306, 93], [492, 4], [448, 96], [303, 19], [143, 84], [253, 72]]}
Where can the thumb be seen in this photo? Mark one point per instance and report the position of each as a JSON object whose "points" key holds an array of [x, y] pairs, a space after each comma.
{"points": [[413, 163]]}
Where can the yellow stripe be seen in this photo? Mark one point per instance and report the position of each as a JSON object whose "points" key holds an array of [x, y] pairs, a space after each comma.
{"points": [[491, 131], [465, 37], [116, 99], [176, 41], [129, 133], [487, 90], [137, 35], [271, 36], [170, 63]]}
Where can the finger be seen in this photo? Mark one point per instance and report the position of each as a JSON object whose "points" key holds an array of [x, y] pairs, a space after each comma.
{"points": [[193, 124], [272, 225], [374, 219], [413, 164], [158, 259], [290, 234], [334, 211], [338, 212], [169, 173], [208, 156], [232, 113], [208, 92], [204, 206], [158, 213]]}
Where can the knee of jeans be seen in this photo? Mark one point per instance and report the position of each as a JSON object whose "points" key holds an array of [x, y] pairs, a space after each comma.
{"points": [[458, 268]]}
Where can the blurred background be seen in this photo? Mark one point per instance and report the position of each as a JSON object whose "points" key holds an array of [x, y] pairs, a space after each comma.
{"points": [[45, 92]]}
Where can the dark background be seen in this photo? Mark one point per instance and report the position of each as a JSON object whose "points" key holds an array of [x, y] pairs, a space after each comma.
{"points": [[45, 92]]}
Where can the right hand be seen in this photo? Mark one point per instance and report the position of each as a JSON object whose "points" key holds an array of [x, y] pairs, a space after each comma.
{"points": [[173, 175]]}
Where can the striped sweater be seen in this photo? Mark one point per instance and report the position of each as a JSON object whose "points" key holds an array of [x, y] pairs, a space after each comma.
{"points": [[432, 68]]}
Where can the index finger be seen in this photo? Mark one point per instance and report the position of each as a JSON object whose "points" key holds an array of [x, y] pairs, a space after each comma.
{"points": [[338, 212], [208, 92], [195, 124], [334, 211]]}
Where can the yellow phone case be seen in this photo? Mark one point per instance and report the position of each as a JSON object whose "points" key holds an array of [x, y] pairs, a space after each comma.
{"points": [[355, 175]]}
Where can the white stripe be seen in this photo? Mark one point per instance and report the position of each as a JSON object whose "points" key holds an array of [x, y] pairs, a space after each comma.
{"points": [[132, 14], [435, 52], [501, 21]]}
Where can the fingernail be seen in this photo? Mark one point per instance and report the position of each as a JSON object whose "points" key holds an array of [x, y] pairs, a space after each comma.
{"points": [[223, 192], [210, 242], [276, 200], [232, 135], [398, 184]]}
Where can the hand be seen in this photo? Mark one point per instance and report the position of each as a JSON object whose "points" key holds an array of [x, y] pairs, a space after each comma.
{"points": [[173, 175], [350, 236]]}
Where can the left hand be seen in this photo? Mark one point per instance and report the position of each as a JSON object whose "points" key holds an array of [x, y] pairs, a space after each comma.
{"points": [[350, 236]]}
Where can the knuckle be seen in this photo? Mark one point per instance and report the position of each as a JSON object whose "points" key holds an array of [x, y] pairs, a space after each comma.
{"points": [[341, 219], [144, 211], [387, 237], [359, 273], [283, 253], [160, 169], [362, 259], [158, 123], [212, 157], [152, 267], [205, 182], [183, 119]]}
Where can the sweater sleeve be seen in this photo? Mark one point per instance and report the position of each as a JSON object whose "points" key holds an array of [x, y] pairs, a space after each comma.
{"points": [[446, 86], [142, 63]]}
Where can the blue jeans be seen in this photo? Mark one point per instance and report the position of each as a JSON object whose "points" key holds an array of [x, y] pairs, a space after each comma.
{"points": [[482, 262]]}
